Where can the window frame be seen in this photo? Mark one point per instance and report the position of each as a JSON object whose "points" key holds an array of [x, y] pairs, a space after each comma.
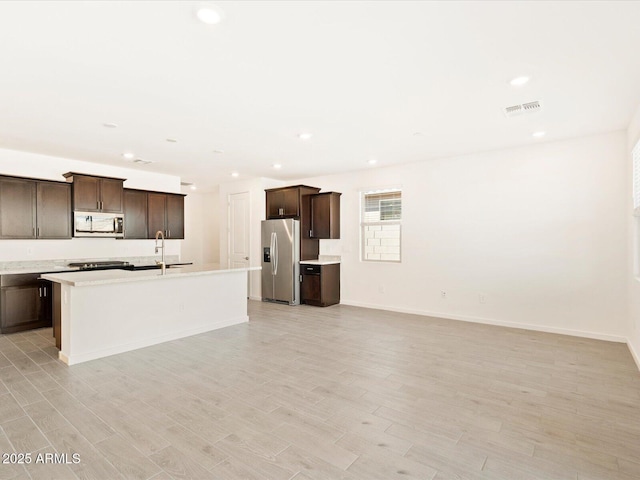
{"points": [[363, 224], [635, 180]]}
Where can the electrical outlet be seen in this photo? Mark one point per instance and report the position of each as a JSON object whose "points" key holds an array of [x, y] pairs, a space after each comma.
{"points": [[29, 251], [482, 298], [443, 294]]}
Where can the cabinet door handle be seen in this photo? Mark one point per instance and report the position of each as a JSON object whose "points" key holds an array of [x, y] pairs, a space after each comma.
{"points": [[40, 291], [38, 231], [169, 234]]}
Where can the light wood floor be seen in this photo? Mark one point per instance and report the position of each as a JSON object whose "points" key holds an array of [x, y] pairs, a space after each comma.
{"points": [[336, 393]]}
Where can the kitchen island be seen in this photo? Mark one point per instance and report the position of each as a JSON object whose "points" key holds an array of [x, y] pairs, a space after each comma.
{"points": [[105, 312]]}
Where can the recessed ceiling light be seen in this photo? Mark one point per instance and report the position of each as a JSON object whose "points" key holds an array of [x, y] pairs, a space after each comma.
{"points": [[305, 136], [539, 134], [417, 134], [372, 161], [193, 187], [235, 174], [218, 151], [277, 166], [519, 81], [128, 155], [172, 140], [110, 125], [209, 14]]}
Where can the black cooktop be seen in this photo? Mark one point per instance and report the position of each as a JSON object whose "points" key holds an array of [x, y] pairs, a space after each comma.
{"points": [[99, 265]]}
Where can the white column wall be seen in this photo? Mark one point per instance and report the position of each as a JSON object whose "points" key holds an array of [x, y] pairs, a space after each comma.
{"points": [[202, 229]]}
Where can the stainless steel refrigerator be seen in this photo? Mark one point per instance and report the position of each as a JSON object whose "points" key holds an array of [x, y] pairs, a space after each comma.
{"points": [[281, 261]]}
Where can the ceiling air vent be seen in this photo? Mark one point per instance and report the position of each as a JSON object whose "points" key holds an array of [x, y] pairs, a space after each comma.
{"points": [[140, 161], [515, 110]]}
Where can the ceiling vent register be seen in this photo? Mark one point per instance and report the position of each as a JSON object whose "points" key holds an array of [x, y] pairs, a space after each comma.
{"points": [[515, 110]]}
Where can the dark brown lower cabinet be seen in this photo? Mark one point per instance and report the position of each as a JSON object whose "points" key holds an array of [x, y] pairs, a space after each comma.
{"points": [[25, 303], [320, 284]]}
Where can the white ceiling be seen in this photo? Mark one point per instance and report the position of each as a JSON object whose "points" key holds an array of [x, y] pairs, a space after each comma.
{"points": [[363, 77]]}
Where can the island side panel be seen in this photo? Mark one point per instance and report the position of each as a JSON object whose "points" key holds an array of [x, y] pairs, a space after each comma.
{"points": [[107, 319]]}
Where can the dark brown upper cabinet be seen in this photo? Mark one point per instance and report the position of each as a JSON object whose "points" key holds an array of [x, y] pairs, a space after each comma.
{"points": [[53, 210], [165, 213], [96, 194], [325, 215], [17, 208], [135, 214], [32, 209], [286, 202], [295, 202]]}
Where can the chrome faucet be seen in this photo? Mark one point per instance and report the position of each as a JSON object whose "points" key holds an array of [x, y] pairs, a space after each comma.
{"points": [[163, 265]]}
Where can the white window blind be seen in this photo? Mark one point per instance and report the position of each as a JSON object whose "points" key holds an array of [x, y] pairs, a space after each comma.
{"points": [[381, 225], [636, 179]]}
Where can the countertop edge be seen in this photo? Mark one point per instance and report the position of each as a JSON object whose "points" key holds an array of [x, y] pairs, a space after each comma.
{"points": [[319, 262], [133, 276]]}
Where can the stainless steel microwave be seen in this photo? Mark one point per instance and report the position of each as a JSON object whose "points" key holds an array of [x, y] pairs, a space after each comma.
{"points": [[96, 224]]}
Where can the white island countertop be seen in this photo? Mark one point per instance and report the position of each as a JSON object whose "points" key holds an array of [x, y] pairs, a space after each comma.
{"points": [[105, 277], [98, 313]]}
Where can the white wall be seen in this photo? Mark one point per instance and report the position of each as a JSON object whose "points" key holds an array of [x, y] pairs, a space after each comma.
{"points": [[202, 229], [256, 188], [633, 136], [51, 168], [537, 230]]}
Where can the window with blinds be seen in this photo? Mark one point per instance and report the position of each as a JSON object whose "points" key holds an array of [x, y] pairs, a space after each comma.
{"points": [[636, 179], [380, 225]]}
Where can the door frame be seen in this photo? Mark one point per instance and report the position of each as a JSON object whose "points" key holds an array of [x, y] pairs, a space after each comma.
{"points": [[249, 235]]}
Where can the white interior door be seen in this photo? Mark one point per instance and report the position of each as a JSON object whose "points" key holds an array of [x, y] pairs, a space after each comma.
{"points": [[239, 224]]}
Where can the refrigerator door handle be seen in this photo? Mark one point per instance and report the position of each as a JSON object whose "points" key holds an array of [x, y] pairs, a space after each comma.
{"points": [[272, 252], [275, 238]]}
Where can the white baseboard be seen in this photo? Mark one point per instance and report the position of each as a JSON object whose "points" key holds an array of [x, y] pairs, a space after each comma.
{"points": [[491, 321], [147, 342], [255, 297]]}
